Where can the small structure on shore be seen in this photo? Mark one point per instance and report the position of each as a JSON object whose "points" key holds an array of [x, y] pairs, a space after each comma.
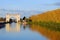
{"points": [[8, 16]]}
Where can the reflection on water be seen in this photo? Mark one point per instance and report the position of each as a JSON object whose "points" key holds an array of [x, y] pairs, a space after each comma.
{"points": [[51, 34], [9, 28], [24, 26], [27, 32], [2, 26], [16, 31]]}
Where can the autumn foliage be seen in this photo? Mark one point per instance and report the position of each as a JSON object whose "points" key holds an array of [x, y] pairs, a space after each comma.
{"points": [[53, 15], [50, 34]]}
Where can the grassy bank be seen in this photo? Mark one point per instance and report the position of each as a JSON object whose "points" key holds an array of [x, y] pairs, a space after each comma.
{"points": [[50, 25]]}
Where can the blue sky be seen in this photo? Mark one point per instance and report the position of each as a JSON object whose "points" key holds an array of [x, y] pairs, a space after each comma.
{"points": [[41, 5], [29, 5]]}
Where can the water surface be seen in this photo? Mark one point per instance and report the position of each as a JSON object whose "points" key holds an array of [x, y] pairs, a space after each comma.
{"points": [[16, 31]]}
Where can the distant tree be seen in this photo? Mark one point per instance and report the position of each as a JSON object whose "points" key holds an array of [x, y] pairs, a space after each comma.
{"points": [[24, 18], [30, 20]]}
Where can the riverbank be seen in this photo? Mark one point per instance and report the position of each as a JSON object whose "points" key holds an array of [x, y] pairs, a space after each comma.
{"points": [[50, 25]]}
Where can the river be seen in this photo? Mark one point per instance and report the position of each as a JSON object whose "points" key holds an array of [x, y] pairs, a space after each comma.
{"points": [[16, 31]]}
